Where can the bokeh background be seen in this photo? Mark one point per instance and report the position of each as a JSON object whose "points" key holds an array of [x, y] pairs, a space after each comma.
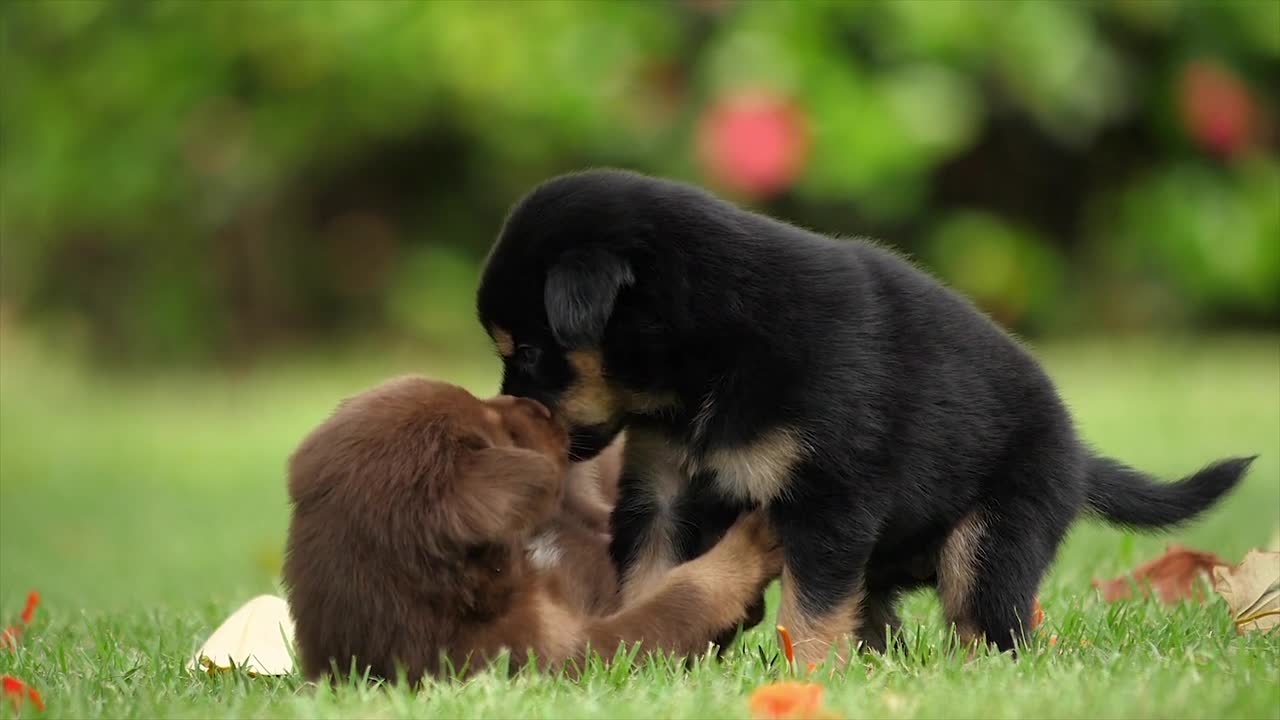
{"points": [[218, 218], [199, 181]]}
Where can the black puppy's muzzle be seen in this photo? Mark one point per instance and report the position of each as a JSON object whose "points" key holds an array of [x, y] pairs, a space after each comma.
{"points": [[585, 441]]}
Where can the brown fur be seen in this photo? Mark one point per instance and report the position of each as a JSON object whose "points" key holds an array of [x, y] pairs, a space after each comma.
{"points": [[414, 508]]}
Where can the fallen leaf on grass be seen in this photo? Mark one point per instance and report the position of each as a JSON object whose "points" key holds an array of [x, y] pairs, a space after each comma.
{"points": [[1172, 576], [1252, 590], [19, 692], [257, 637], [1037, 615], [789, 701]]}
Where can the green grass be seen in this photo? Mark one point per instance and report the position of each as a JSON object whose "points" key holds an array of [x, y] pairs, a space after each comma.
{"points": [[146, 509]]}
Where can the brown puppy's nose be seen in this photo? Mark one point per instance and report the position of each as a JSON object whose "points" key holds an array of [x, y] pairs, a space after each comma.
{"points": [[535, 407], [529, 405]]}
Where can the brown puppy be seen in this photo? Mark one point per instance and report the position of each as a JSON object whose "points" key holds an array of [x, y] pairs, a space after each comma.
{"points": [[415, 506], [573, 547]]}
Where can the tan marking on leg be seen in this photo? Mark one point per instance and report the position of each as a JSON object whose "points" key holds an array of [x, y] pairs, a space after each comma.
{"points": [[761, 470], [504, 342], [814, 637], [660, 464], [957, 572]]}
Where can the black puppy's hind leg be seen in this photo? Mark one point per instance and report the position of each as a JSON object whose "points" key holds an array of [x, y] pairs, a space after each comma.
{"points": [[990, 569], [827, 538], [880, 622]]}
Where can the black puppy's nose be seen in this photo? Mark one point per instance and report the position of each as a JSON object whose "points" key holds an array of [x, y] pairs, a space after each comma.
{"points": [[517, 388]]}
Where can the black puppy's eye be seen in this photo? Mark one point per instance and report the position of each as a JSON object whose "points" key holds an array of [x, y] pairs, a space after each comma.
{"points": [[527, 356]]}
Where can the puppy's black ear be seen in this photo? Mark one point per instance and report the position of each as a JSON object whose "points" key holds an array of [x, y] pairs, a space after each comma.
{"points": [[580, 293]]}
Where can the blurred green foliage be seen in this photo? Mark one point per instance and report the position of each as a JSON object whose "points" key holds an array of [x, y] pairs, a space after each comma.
{"points": [[191, 180]]}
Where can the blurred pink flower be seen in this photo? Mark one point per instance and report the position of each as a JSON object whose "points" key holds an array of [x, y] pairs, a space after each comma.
{"points": [[754, 141]]}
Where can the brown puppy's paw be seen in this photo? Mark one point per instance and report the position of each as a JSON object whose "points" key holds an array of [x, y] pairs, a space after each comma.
{"points": [[755, 545], [590, 514], [755, 615]]}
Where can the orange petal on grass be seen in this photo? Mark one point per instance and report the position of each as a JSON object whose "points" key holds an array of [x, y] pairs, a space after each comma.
{"points": [[788, 700], [1037, 615], [788, 649], [29, 612], [10, 635], [19, 692]]}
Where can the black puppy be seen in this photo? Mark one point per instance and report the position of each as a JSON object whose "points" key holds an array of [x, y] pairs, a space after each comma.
{"points": [[897, 436]]}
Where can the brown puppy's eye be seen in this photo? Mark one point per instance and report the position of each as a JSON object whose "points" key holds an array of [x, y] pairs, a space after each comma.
{"points": [[527, 356]]}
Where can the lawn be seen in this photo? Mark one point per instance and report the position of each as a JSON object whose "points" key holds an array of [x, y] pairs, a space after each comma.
{"points": [[145, 509]]}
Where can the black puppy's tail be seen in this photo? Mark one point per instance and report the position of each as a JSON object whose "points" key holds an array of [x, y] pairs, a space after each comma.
{"points": [[1128, 497]]}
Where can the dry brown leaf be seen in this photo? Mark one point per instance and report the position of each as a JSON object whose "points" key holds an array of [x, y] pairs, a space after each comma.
{"points": [[1172, 576], [1252, 590]]}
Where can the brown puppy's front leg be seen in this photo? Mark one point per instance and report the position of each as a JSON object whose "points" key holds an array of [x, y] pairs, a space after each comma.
{"points": [[695, 601]]}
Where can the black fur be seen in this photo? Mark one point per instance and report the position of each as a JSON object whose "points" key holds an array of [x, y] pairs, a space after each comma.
{"points": [[918, 410], [1132, 498], [580, 292]]}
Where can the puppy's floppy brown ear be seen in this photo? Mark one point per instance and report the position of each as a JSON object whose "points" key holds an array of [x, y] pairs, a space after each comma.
{"points": [[580, 292], [503, 493]]}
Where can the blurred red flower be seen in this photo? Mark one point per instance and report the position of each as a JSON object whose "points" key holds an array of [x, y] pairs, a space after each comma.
{"points": [[1217, 108], [19, 692]]}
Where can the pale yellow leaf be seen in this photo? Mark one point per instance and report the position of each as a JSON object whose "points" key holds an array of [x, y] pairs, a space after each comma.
{"points": [[1252, 590], [258, 637]]}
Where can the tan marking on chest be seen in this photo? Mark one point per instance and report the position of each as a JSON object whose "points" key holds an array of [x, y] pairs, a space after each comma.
{"points": [[759, 471]]}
